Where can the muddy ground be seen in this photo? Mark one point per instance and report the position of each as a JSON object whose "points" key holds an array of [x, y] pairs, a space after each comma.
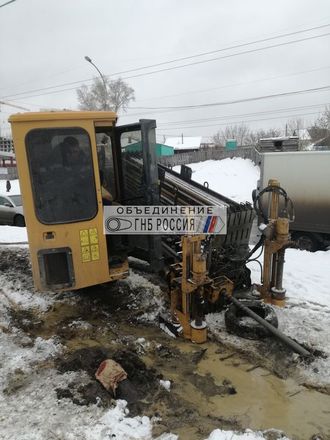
{"points": [[208, 383]]}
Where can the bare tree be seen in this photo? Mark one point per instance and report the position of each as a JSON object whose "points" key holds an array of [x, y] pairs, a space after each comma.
{"points": [[112, 95], [293, 126], [238, 132], [254, 136], [323, 121], [321, 127]]}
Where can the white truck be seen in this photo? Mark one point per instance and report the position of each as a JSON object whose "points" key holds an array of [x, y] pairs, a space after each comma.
{"points": [[305, 176]]}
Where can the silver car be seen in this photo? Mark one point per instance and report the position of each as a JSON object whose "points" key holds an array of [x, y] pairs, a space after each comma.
{"points": [[11, 210]]}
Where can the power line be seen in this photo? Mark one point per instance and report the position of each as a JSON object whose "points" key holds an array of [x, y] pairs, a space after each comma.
{"points": [[236, 46], [185, 58], [216, 118], [236, 101], [302, 72], [226, 56], [160, 112], [237, 122], [7, 3]]}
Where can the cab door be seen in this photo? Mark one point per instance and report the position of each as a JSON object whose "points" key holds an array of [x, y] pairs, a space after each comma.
{"points": [[135, 146]]}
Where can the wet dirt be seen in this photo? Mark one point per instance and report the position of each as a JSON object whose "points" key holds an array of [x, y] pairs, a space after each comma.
{"points": [[212, 386], [12, 259]]}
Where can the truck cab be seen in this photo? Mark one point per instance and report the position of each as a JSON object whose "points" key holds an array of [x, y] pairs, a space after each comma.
{"points": [[66, 162]]}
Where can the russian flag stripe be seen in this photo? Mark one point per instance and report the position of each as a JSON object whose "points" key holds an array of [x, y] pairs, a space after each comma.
{"points": [[213, 223], [207, 224]]}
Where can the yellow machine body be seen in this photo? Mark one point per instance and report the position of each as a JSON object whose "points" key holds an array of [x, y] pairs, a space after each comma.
{"points": [[191, 288], [277, 240], [74, 245]]}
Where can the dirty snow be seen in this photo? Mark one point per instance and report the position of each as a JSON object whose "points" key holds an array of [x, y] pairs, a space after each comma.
{"points": [[165, 384], [29, 407], [13, 292], [149, 296]]}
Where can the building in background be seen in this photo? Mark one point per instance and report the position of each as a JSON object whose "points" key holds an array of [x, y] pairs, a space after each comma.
{"points": [[161, 149], [7, 159], [281, 143], [184, 144]]}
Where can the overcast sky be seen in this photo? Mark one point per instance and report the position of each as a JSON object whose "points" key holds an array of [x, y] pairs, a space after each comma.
{"points": [[43, 44]]}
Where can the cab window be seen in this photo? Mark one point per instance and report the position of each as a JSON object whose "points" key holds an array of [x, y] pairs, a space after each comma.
{"points": [[106, 167], [62, 176]]}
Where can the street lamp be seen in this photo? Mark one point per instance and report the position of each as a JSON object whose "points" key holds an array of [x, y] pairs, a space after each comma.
{"points": [[105, 104]]}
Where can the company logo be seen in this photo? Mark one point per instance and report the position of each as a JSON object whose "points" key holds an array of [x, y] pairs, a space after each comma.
{"points": [[115, 224], [165, 220]]}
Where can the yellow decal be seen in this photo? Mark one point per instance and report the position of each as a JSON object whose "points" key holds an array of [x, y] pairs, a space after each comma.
{"points": [[95, 252], [84, 239], [85, 254], [89, 245], [93, 237]]}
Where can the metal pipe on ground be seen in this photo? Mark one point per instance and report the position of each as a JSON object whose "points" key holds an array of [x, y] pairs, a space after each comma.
{"points": [[288, 341]]}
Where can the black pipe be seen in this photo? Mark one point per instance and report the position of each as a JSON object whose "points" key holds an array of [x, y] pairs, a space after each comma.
{"points": [[288, 341]]}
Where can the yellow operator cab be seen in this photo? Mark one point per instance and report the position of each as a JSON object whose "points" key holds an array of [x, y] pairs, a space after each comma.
{"points": [[66, 160]]}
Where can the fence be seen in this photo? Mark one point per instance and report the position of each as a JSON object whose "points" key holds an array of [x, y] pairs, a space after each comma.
{"points": [[209, 154], [6, 145], [9, 173], [185, 158]]}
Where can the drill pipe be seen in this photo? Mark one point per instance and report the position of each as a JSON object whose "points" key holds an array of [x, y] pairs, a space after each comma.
{"points": [[288, 341]]}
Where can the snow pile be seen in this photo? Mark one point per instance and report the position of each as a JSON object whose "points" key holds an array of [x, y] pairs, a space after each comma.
{"points": [[165, 384], [149, 296], [35, 413], [14, 358], [306, 315], [218, 434], [13, 234], [307, 276], [14, 294], [115, 424], [234, 178]]}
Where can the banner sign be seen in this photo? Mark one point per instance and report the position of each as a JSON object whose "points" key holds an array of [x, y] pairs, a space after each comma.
{"points": [[165, 220]]}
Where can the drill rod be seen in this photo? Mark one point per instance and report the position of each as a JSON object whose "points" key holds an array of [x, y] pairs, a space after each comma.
{"points": [[288, 341]]}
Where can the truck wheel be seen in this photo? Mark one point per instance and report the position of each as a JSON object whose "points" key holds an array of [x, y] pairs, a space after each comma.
{"points": [[306, 241], [240, 324], [19, 221]]}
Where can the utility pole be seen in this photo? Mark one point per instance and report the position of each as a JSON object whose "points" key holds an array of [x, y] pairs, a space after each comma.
{"points": [[105, 101]]}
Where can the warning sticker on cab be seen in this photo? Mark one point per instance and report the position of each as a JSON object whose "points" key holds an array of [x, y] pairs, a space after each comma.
{"points": [[89, 244]]}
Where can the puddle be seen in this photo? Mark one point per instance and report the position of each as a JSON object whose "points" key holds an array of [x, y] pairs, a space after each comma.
{"points": [[263, 400]]}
